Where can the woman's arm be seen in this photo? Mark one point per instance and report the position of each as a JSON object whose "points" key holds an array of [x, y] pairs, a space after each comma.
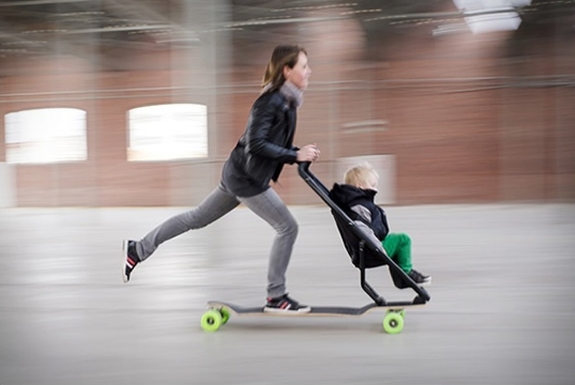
{"points": [[259, 127]]}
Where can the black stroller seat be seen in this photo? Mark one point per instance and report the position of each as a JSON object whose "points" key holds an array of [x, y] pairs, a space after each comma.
{"points": [[362, 249], [357, 246]]}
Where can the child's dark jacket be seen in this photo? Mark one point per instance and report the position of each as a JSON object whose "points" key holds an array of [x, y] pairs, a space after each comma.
{"points": [[359, 204]]}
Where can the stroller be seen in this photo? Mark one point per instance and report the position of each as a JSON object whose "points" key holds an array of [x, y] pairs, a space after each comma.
{"points": [[364, 254]]}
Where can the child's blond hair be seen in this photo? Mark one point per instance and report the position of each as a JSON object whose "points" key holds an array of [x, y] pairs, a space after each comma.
{"points": [[359, 175]]}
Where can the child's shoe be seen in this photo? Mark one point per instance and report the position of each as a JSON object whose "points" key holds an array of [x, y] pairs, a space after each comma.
{"points": [[130, 259], [420, 279], [285, 304]]}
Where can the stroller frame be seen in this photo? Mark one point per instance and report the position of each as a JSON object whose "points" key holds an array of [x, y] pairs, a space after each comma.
{"points": [[319, 188]]}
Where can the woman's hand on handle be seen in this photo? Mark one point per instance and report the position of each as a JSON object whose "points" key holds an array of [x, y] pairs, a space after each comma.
{"points": [[308, 153]]}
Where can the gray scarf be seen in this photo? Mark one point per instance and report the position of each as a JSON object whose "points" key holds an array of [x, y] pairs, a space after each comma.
{"points": [[289, 91]]}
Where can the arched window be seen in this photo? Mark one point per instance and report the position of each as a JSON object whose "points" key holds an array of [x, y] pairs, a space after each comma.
{"points": [[168, 132], [46, 135]]}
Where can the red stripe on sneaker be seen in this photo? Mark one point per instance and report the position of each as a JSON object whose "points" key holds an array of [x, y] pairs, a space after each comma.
{"points": [[131, 263], [285, 305]]}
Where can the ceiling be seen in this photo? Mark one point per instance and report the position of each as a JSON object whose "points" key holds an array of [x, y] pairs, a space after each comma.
{"points": [[36, 28]]}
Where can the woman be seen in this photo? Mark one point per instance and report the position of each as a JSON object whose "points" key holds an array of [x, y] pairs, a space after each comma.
{"points": [[257, 159]]}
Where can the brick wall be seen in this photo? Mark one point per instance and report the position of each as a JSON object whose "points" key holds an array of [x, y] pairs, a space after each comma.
{"points": [[468, 118]]}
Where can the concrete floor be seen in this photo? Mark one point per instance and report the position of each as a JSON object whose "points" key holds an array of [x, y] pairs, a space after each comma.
{"points": [[502, 308]]}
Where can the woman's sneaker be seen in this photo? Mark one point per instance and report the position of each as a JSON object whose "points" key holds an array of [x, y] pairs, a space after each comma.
{"points": [[285, 304], [130, 259], [420, 279]]}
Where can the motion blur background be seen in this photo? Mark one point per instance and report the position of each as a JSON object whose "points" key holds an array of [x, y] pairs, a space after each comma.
{"points": [[455, 102], [117, 114]]}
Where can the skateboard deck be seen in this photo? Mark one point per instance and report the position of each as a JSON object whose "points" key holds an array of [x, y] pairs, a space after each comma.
{"points": [[219, 313], [315, 310]]}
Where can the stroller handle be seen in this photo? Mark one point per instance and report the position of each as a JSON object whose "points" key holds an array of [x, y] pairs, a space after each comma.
{"points": [[313, 182], [303, 167]]}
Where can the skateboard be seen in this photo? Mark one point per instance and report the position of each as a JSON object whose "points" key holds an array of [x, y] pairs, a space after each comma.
{"points": [[219, 313]]}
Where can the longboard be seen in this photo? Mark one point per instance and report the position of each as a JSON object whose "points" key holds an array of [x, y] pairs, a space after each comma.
{"points": [[219, 313]]}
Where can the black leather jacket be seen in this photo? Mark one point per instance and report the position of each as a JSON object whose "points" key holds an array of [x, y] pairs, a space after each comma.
{"points": [[264, 148]]}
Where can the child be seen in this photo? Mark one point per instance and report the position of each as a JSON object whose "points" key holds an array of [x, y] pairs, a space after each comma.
{"points": [[356, 198]]}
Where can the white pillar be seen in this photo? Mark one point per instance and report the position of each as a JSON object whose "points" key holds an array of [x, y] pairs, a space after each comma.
{"points": [[7, 185]]}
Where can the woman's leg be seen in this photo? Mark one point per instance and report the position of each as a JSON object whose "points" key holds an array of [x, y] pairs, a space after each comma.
{"points": [[398, 247], [269, 206], [218, 203]]}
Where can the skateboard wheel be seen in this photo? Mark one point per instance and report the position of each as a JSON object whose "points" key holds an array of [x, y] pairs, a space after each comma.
{"points": [[211, 320], [393, 322], [225, 313]]}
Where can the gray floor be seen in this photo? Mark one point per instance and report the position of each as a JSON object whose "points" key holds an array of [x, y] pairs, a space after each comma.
{"points": [[502, 310]]}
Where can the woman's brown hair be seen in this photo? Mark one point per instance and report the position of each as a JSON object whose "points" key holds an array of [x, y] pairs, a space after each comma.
{"points": [[281, 56]]}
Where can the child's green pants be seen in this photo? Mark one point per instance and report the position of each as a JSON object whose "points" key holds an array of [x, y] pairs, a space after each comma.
{"points": [[398, 248]]}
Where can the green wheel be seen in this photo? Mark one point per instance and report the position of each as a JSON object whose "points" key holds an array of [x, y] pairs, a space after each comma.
{"points": [[393, 323], [211, 320], [225, 313]]}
